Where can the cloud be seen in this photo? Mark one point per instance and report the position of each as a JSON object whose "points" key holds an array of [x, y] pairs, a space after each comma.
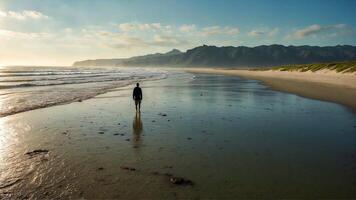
{"points": [[268, 32], [8, 34], [127, 41], [127, 27], [255, 33], [273, 32], [24, 15], [217, 30], [164, 40], [314, 30], [187, 28], [130, 26]]}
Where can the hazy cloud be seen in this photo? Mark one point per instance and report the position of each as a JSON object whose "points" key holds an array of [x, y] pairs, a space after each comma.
{"points": [[8, 34], [130, 26], [258, 33], [314, 30], [24, 15], [187, 28], [217, 30], [273, 32], [255, 33], [123, 40], [165, 40]]}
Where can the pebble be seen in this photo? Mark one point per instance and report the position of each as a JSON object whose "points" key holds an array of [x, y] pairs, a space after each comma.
{"points": [[37, 151], [180, 181], [128, 168]]}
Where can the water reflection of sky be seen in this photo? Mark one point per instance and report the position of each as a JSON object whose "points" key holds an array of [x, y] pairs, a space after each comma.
{"points": [[221, 132]]}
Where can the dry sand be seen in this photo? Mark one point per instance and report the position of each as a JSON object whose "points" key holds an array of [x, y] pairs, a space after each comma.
{"points": [[323, 85]]}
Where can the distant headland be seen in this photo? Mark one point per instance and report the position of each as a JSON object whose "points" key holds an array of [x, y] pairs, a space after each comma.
{"points": [[229, 56]]}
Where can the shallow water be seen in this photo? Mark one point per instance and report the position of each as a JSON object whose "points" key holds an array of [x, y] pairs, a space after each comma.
{"points": [[27, 88], [232, 137]]}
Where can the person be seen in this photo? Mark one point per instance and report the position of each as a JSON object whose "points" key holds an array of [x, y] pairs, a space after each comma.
{"points": [[137, 96]]}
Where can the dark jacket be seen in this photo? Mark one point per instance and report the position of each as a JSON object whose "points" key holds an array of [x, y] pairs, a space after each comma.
{"points": [[137, 93]]}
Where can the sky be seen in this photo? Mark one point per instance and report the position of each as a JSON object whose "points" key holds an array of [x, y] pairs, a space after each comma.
{"points": [[59, 32]]}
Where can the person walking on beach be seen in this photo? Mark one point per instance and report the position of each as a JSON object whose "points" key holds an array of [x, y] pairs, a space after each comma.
{"points": [[137, 96]]}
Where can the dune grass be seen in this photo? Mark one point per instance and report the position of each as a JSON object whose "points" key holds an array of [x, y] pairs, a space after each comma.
{"points": [[341, 67]]}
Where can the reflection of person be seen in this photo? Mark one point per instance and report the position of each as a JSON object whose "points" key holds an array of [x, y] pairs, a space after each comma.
{"points": [[137, 128], [137, 96]]}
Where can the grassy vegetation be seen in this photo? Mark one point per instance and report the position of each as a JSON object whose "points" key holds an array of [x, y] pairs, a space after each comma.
{"points": [[342, 67]]}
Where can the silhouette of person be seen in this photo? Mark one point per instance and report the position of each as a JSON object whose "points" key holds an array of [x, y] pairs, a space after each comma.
{"points": [[137, 96], [137, 128]]}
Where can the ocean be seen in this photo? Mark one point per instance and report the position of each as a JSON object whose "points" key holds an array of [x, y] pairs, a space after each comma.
{"points": [[27, 88]]}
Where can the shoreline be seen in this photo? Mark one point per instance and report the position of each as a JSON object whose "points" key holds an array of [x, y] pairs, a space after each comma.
{"points": [[214, 131], [104, 90], [324, 85]]}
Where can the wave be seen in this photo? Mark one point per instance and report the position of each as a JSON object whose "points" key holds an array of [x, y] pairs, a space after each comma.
{"points": [[79, 81], [29, 93], [51, 73], [48, 79]]}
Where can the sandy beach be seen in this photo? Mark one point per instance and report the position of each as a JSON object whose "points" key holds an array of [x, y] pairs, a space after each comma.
{"points": [[228, 137], [323, 85]]}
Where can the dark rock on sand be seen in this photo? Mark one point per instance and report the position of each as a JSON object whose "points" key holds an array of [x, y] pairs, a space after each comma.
{"points": [[101, 168], [37, 152], [162, 114], [174, 179], [180, 181], [128, 168], [189, 138], [101, 132]]}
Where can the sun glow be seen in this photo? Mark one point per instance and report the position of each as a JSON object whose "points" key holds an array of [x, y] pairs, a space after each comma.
{"points": [[3, 139]]}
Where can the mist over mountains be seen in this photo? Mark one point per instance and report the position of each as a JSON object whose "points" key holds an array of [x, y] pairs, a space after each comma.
{"points": [[241, 56]]}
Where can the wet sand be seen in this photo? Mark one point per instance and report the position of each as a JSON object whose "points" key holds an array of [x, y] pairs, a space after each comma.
{"points": [[322, 85], [232, 137]]}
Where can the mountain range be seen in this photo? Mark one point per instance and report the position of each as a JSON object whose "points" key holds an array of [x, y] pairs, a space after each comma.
{"points": [[229, 56]]}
